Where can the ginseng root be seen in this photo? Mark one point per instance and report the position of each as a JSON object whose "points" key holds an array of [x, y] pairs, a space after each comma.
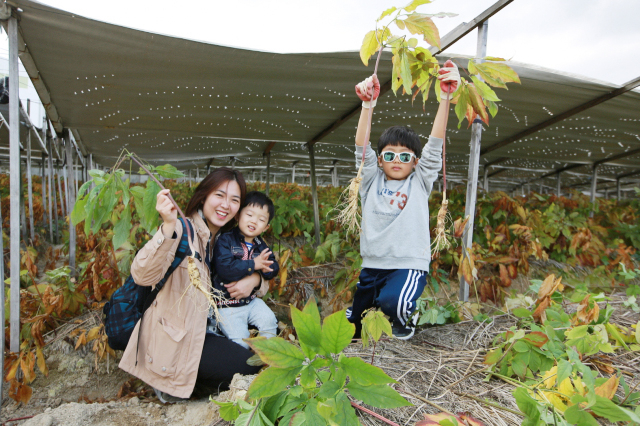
{"points": [[349, 211], [440, 241]]}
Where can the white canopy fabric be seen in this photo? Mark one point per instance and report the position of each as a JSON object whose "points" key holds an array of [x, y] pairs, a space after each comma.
{"points": [[187, 102]]}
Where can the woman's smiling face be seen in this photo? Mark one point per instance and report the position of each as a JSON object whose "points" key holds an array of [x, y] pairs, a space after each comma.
{"points": [[222, 204]]}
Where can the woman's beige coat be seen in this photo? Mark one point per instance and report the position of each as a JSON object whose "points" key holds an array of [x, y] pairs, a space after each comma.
{"points": [[174, 327]]}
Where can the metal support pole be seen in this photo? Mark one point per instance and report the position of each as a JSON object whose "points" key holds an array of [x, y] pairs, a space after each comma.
{"points": [[51, 189], [15, 179], [71, 202], [474, 167], [198, 174], [233, 163], [618, 189], [30, 187], [60, 191], [314, 195], [293, 173], [606, 193], [266, 190], [559, 186], [594, 188], [485, 180]]}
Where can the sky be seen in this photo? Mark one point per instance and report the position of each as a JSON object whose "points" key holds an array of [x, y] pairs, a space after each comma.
{"points": [[598, 39]]}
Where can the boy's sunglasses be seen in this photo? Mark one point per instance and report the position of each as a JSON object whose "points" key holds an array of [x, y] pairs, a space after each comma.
{"points": [[390, 156]]}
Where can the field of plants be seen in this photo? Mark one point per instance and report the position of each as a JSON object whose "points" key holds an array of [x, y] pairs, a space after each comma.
{"points": [[539, 259]]}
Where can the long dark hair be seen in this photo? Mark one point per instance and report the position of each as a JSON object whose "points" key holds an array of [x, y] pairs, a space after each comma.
{"points": [[213, 181]]}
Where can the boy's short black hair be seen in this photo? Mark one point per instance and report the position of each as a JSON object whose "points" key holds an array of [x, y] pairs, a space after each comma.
{"points": [[400, 136], [260, 199]]}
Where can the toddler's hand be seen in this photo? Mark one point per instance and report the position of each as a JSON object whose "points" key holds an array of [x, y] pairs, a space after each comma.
{"points": [[262, 261], [368, 91]]}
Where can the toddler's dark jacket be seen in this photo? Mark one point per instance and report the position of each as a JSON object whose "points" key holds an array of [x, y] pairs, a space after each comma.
{"points": [[229, 265]]}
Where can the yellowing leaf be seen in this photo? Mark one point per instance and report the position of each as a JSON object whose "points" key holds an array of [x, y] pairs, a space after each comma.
{"points": [[418, 23], [42, 365], [477, 103], [549, 378], [371, 43], [415, 3], [638, 332], [608, 389], [387, 13], [82, 340], [501, 72], [93, 333], [566, 388]]}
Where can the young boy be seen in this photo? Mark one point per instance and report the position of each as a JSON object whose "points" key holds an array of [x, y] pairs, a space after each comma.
{"points": [[395, 241], [237, 254]]}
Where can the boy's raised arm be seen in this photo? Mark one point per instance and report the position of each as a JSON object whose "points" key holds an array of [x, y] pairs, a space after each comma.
{"points": [[449, 81], [368, 91], [431, 160]]}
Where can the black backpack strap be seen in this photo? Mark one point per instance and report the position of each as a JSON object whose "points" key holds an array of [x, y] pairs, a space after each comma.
{"points": [[181, 253]]}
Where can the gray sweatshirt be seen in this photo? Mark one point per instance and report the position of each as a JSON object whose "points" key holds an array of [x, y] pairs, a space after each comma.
{"points": [[395, 213]]}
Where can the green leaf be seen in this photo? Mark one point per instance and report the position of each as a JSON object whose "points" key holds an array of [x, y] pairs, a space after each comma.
{"points": [[418, 23], [522, 313], [228, 410], [329, 389], [85, 186], [564, 370], [415, 3], [363, 373], [277, 352], [122, 228], [272, 381], [312, 417], [149, 214], [577, 416], [273, 405], [493, 108], [493, 356], [78, 214], [307, 325], [612, 412], [521, 346], [308, 377], [345, 413], [387, 13], [96, 173], [169, 172], [405, 69], [381, 396], [461, 106], [487, 94], [106, 201], [529, 406], [376, 323], [337, 332]]}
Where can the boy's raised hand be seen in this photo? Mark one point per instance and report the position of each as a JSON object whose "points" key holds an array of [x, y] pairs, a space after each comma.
{"points": [[262, 262], [449, 77], [368, 91]]}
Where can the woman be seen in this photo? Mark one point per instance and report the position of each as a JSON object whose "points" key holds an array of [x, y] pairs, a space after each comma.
{"points": [[174, 352]]}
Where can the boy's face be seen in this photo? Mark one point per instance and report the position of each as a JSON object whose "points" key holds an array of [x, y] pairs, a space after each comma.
{"points": [[397, 170], [254, 220]]}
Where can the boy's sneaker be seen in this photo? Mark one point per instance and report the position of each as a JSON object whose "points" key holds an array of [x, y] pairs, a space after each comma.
{"points": [[166, 398], [403, 332]]}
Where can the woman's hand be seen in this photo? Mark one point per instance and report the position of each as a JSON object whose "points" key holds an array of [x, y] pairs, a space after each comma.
{"points": [[167, 211], [243, 288]]}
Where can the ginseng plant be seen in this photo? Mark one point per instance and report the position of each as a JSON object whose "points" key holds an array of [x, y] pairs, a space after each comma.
{"points": [[98, 206], [414, 69]]}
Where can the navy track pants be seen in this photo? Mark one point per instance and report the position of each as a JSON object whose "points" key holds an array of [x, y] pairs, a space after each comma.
{"points": [[394, 291]]}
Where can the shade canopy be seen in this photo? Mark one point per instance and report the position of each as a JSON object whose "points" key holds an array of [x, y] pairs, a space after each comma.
{"points": [[192, 104]]}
